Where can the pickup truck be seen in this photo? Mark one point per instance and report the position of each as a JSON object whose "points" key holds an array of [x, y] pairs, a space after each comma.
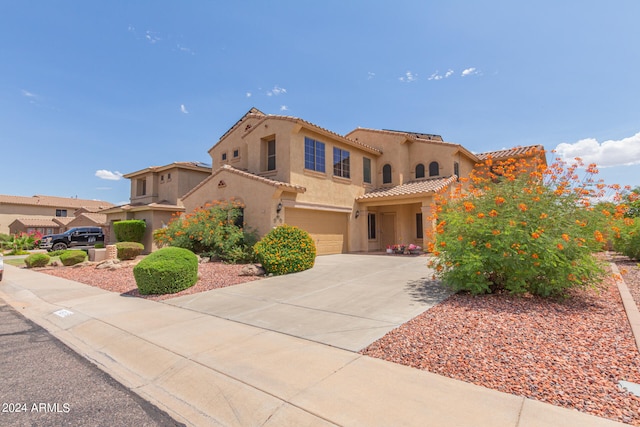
{"points": [[74, 237]]}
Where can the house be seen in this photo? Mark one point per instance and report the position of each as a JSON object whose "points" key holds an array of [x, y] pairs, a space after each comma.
{"points": [[360, 192], [45, 214], [155, 192]]}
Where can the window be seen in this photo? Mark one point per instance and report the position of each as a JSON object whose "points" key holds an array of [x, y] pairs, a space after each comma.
{"points": [[314, 155], [61, 212], [161, 178], [419, 229], [236, 153], [434, 169], [271, 155], [168, 177], [419, 170], [371, 225], [366, 170], [341, 163], [386, 174], [456, 169], [224, 157], [141, 189]]}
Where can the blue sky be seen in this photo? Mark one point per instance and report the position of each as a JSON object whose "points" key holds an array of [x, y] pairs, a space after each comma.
{"points": [[93, 90]]}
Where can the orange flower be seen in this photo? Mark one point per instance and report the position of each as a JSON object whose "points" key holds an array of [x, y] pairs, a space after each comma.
{"points": [[598, 236], [559, 245], [535, 235], [522, 207], [544, 216], [487, 245], [460, 238], [480, 215], [535, 256], [468, 206], [473, 243], [493, 213], [495, 232], [565, 237], [499, 200]]}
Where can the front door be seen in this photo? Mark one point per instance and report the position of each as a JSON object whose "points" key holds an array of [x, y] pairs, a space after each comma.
{"points": [[387, 230]]}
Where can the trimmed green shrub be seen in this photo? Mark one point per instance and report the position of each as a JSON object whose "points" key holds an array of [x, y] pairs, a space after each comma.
{"points": [[130, 230], [37, 260], [626, 238], [286, 249], [57, 253], [129, 250], [98, 246], [72, 257], [166, 271]]}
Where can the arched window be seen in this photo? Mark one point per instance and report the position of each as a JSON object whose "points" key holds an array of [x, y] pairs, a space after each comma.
{"points": [[386, 174], [434, 169], [419, 170]]}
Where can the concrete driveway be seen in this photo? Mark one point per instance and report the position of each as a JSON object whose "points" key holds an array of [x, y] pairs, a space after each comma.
{"points": [[346, 301]]}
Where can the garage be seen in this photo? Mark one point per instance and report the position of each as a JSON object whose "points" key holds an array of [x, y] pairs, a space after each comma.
{"points": [[327, 229]]}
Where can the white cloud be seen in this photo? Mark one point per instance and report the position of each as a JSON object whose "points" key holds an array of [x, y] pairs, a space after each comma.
{"points": [[449, 73], [183, 109], [29, 94], [370, 75], [408, 77], [469, 72], [284, 108], [438, 76], [623, 152], [151, 37], [277, 90], [248, 95], [108, 175]]}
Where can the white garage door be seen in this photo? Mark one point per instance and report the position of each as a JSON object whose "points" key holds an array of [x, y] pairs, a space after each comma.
{"points": [[327, 229]]}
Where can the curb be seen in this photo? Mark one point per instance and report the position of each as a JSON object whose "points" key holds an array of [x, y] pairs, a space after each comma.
{"points": [[630, 306]]}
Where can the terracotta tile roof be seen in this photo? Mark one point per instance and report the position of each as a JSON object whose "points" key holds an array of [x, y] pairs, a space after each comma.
{"points": [[163, 205], [249, 175], [95, 217], [59, 202], [63, 220], [510, 152], [38, 222], [410, 188], [181, 165]]}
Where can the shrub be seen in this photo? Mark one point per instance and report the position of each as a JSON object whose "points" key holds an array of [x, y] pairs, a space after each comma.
{"points": [[520, 227], [286, 249], [57, 253], [37, 260], [626, 238], [72, 257], [98, 246], [129, 250], [216, 230], [166, 271], [130, 230]]}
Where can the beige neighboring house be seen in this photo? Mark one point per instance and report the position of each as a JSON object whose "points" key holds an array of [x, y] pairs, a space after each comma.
{"points": [[360, 192], [154, 196], [45, 214]]}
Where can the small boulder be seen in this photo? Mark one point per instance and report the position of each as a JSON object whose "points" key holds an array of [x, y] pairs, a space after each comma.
{"points": [[252, 270]]}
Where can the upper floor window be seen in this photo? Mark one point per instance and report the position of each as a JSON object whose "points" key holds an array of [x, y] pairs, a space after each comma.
{"points": [[314, 155], [434, 169], [169, 177], [366, 170], [386, 174], [456, 169], [161, 178], [236, 153], [224, 157], [341, 163], [141, 187], [61, 212], [419, 170], [271, 155]]}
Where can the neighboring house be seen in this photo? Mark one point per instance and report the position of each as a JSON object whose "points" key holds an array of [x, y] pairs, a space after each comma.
{"points": [[44, 214], [154, 196], [355, 193]]}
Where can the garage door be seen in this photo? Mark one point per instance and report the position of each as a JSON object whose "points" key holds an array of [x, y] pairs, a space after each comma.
{"points": [[327, 229]]}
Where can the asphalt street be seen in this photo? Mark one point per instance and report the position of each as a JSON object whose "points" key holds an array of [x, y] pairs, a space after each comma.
{"points": [[44, 383]]}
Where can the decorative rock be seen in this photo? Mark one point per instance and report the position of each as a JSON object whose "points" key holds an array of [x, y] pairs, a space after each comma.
{"points": [[112, 252], [109, 263], [252, 270]]}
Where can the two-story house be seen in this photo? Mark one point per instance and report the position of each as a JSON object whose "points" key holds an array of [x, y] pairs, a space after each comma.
{"points": [[155, 192], [360, 192]]}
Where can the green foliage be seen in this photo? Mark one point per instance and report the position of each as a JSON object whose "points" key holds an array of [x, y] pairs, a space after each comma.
{"points": [[632, 201], [99, 246], [286, 249], [215, 230], [129, 250], [130, 230], [166, 271], [518, 227], [19, 243], [57, 253], [626, 238], [72, 257], [37, 260]]}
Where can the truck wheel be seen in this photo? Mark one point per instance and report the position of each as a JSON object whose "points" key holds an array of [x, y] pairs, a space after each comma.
{"points": [[60, 246]]}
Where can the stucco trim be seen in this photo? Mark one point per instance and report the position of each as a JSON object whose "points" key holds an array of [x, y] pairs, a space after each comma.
{"points": [[315, 206]]}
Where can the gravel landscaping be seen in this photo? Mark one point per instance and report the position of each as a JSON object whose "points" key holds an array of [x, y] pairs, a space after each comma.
{"points": [[569, 353]]}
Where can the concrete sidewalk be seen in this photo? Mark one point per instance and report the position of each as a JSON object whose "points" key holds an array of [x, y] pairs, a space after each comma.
{"points": [[204, 370]]}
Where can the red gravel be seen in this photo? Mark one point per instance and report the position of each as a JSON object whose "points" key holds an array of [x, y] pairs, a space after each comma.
{"points": [[211, 275], [569, 353]]}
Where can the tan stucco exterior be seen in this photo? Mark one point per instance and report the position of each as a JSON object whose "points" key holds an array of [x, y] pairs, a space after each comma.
{"points": [[261, 161]]}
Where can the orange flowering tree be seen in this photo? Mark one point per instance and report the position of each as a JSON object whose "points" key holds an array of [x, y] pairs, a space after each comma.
{"points": [[521, 226], [217, 229]]}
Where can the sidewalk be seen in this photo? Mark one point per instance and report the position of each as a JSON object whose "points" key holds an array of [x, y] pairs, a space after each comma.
{"points": [[204, 370]]}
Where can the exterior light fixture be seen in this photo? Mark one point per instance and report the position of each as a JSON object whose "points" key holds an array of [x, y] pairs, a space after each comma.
{"points": [[279, 207]]}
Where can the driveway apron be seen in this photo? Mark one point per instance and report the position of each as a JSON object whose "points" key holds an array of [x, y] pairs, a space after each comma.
{"points": [[346, 301]]}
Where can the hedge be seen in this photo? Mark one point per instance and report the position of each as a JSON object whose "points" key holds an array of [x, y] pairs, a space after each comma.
{"points": [[166, 271]]}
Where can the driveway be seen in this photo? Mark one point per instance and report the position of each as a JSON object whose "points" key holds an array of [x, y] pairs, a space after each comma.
{"points": [[346, 301]]}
